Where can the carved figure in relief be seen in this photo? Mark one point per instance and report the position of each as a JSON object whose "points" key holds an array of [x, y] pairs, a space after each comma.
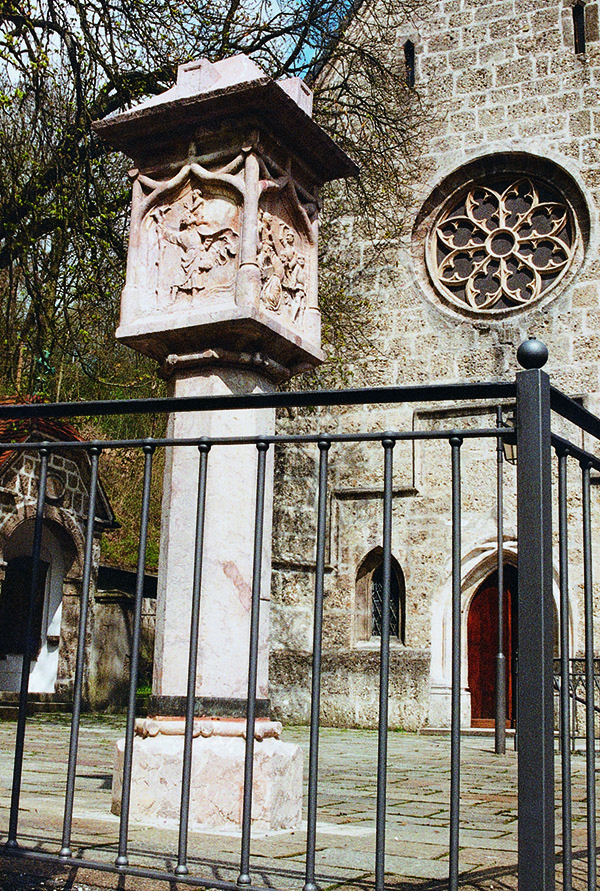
{"points": [[288, 252], [272, 274], [203, 246], [283, 273], [298, 290]]}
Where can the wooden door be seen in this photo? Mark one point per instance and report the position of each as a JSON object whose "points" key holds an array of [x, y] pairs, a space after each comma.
{"points": [[482, 647]]}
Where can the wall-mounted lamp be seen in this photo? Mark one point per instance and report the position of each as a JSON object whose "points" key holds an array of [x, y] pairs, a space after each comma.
{"points": [[509, 442]]}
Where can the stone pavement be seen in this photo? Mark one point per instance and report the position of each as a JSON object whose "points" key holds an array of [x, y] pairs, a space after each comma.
{"points": [[417, 828]]}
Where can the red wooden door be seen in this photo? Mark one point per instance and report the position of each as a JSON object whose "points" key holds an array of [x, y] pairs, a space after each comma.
{"points": [[482, 647]]}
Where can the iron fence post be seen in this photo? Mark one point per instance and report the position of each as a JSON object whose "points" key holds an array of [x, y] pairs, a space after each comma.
{"points": [[384, 668], [565, 706], [454, 845], [122, 859], [315, 701], [11, 842], [186, 774], [500, 703], [590, 742], [65, 851], [244, 877], [535, 707]]}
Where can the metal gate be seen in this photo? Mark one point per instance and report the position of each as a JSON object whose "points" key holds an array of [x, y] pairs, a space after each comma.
{"points": [[536, 402]]}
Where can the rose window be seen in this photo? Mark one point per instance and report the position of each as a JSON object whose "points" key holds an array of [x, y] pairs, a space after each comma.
{"points": [[503, 247]]}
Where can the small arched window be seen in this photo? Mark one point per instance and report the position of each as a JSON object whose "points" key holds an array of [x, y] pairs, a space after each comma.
{"points": [[369, 598], [396, 611]]}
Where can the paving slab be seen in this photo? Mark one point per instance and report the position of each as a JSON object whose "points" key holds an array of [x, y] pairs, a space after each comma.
{"points": [[416, 832]]}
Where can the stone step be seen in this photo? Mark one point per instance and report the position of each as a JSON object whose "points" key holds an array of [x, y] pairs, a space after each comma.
{"points": [[13, 696], [50, 704], [37, 703], [465, 731]]}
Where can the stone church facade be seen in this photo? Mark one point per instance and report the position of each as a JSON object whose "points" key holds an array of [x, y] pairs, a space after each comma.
{"points": [[503, 244]]}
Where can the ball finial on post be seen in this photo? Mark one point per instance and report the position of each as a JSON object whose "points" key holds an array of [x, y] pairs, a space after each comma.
{"points": [[532, 353]]}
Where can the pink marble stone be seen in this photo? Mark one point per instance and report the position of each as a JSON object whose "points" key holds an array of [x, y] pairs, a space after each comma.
{"points": [[228, 544], [221, 290], [216, 782]]}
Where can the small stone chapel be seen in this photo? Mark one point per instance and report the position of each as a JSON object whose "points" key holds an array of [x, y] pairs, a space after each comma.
{"points": [[60, 574], [503, 245]]}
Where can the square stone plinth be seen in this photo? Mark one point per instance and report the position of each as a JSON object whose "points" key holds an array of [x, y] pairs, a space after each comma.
{"points": [[217, 783]]}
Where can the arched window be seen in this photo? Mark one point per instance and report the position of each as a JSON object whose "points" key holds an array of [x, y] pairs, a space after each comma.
{"points": [[369, 599], [579, 26], [396, 607]]}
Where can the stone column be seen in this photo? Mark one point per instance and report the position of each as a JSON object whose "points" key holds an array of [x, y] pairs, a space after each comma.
{"points": [[222, 291], [222, 677]]}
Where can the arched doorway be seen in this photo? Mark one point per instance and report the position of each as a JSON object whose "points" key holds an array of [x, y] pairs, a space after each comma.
{"points": [[482, 647], [57, 552]]}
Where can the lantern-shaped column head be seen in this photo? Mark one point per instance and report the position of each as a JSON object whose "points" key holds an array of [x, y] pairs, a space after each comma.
{"points": [[222, 263]]}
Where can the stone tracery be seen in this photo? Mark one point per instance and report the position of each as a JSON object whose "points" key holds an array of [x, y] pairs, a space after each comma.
{"points": [[502, 247]]}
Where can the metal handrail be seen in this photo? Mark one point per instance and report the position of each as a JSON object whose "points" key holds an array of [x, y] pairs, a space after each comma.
{"points": [[298, 399]]}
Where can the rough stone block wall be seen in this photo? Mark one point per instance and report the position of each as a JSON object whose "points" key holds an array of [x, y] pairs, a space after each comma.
{"points": [[504, 93]]}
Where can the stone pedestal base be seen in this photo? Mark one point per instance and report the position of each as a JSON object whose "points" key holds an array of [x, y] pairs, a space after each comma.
{"points": [[217, 776]]}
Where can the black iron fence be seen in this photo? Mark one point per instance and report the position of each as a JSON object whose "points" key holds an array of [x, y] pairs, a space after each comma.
{"points": [[535, 401], [578, 696]]}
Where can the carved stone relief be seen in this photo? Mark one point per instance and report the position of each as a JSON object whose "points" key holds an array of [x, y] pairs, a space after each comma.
{"points": [[282, 259], [194, 241], [231, 232]]}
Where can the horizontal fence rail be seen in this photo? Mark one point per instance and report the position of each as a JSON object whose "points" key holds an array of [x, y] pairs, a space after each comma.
{"points": [[548, 464], [304, 399]]}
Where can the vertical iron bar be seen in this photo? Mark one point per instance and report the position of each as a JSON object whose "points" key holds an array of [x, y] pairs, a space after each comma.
{"points": [[65, 850], [182, 869], [313, 756], [590, 742], [456, 443], [565, 748], [515, 659], [122, 858], [500, 723], [244, 876], [574, 719], [535, 634], [27, 654], [384, 667]]}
